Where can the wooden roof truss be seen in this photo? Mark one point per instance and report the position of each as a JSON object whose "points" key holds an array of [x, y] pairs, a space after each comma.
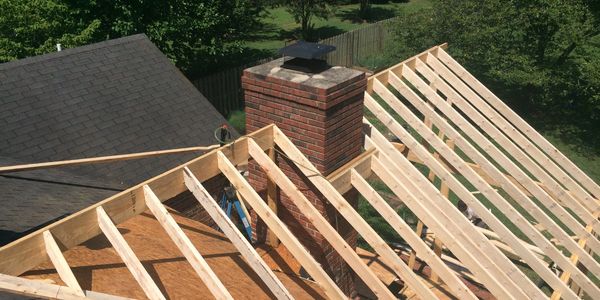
{"points": [[480, 149], [102, 218], [445, 119]]}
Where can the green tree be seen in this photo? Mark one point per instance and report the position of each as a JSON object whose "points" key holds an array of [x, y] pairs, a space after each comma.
{"points": [[304, 11], [364, 8], [34, 27], [197, 35], [541, 56]]}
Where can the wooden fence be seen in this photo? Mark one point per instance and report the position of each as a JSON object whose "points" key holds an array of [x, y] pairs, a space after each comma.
{"points": [[224, 89], [357, 44]]}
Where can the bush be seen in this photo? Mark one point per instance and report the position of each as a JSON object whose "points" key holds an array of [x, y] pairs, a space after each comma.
{"points": [[237, 119]]}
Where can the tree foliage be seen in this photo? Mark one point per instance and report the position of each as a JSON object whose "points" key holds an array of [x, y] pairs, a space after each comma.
{"points": [[34, 27], [304, 11], [542, 56], [197, 35]]}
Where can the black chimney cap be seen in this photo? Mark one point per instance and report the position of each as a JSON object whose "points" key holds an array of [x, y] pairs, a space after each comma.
{"points": [[306, 50]]}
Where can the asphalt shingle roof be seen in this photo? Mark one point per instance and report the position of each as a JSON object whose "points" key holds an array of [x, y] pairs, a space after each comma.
{"points": [[114, 97]]}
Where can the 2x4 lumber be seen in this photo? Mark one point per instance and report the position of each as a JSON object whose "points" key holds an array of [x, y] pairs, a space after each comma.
{"points": [[435, 76], [492, 235], [381, 142], [566, 276], [340, 178], [276, 225], [506, 163], [272, 201], [453, 237], [536, 154], [382, 75], [29, 251], [456, 285], [235, 236], [60, 263], [388, 256], [446, 229], [454, 227], [320, 223], [100, 159], [459, 189], [520, 124], [185, 245], [560, 194], [39, 289], [131, 261], [412, 259], [489, 192]]}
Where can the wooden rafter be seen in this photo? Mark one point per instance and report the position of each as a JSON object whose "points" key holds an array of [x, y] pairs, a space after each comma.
{"points": [[388, 255], [60, 263], [520, 124], [529, 165], [320, 223], [538, 265], [128, 256], [404, 112], [193, 256], [470, 151], [274, 223], [457, 238], [29, 251], [552, 187], [234, 235], [404, 230], [101, 159], [38, 289]]}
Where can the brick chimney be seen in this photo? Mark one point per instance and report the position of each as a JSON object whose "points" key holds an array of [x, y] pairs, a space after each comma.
{"points": [[322, 114]]}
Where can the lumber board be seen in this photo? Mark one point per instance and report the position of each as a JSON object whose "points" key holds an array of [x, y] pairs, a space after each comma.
{"points": [[321, 224], [499, 261], [520, 124], [388, 256], [527, 146], [193, 256], [494, 236], [60, 263], [506, 163], [100, 159], [412, 259], [39, 289], [439, 71], [131, 261], [566, 276], [381, 142], [272, 191], [455, 185], [235, 236], [455, 284], [453, 237], [340, 178], [382, 75], [29, 251], [283, 233], [488, 191]]}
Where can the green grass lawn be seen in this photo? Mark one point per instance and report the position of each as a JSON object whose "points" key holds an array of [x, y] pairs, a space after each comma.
{"points": [[279, 25]]}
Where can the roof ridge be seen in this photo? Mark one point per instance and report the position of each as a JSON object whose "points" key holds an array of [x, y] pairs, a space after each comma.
{"points": [[70, 51]]}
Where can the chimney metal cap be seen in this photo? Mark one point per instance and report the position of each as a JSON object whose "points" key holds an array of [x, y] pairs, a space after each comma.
{"points": [[306, 50]]}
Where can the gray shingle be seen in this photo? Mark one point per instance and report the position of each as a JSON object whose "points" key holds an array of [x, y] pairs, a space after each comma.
{"points": [[113, 97]]}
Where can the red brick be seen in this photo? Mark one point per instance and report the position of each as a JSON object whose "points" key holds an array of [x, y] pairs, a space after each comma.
{"points": [[326, 125]]}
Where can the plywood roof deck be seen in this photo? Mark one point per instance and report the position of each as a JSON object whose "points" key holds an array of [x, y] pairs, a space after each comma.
{"points": [[97, 267]]}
